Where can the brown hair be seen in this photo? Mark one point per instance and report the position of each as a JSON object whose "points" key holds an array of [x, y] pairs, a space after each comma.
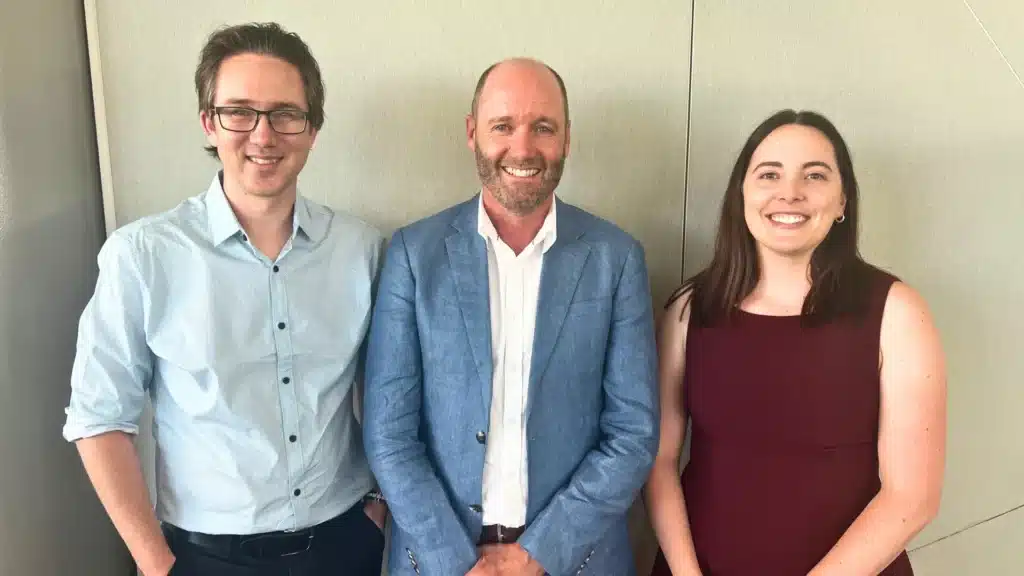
{"points": [[259, 38], [837, 269]]}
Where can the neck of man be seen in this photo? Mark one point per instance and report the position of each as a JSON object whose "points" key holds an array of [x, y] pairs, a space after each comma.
{"points": [[266, 220], [516, 230], [784, 284]]}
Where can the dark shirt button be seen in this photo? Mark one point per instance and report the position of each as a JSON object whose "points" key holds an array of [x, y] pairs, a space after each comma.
{"points": [[276, 269], [286, 380], [476, 508], [293, 438], [245, 238], [280, 325], [297, 492], [481, 437]]}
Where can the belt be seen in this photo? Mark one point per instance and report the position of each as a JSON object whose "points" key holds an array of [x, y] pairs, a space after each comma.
{"points": [[268, 545], [498, 534]]}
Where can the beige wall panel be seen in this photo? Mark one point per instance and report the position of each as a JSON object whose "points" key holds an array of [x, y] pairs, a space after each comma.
{"points": [[995, 548], [1003, 22]]}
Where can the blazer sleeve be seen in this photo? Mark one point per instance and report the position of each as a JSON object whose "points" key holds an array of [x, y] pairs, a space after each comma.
{"points": [[398, 458], [610, 476]]}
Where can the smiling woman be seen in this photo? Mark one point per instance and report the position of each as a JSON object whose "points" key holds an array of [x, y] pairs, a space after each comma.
{"points": [[814, 382]]}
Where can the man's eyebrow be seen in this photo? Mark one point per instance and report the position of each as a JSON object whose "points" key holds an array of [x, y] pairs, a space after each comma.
{"points": [[273, 105]]}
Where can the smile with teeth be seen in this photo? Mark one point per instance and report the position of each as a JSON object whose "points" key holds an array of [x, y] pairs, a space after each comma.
{"points": [[788, 218], [521, 172], [262, 161]]}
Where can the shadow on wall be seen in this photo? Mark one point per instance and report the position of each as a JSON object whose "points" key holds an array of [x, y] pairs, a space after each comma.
{"points": [[44, 284]]}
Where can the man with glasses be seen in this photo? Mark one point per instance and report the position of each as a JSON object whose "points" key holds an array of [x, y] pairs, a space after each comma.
{"points": [[241, 314]]}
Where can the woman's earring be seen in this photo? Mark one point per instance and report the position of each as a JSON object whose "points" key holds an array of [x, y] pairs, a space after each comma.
{"points": [[841, 219]]}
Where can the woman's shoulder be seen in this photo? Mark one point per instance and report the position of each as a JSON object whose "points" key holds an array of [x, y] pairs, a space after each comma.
{"points": [[675, 319], [679, 305]]}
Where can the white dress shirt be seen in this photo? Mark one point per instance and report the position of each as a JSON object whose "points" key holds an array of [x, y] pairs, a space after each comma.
{"points": [[514, 282]]}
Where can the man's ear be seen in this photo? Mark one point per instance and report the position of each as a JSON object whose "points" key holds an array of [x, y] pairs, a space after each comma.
{"points": [[209, 125], [471, 131], [568, 125]]}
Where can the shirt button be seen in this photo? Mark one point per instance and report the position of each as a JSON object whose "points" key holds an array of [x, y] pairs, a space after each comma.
{"points": [[293, 438], [245, 238], [476, 508], [280, 325], [481, 437], [297, 492], [286, 380], [276, 269]]}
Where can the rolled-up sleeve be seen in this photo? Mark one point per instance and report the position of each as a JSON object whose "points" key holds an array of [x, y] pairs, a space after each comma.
{"points": [[113, 364]]}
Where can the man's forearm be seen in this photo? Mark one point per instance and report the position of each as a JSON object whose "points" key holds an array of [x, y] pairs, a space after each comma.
{"points": [[420, 507], [112, 464]]}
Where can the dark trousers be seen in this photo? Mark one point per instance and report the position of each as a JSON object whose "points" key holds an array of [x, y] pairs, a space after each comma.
{"points": [[349, 545]]}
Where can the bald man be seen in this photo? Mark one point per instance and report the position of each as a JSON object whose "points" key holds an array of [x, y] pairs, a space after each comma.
{"points": [[511, 401]]}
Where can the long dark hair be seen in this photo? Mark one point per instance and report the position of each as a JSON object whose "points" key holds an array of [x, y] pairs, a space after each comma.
{"points": [[837, 278]]}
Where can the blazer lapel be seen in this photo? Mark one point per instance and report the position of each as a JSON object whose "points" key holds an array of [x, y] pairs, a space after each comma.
{"points": [[563, 266], [467, 256]]}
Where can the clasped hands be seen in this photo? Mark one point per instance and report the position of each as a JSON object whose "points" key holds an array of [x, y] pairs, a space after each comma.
{"points": [[505, 560]]}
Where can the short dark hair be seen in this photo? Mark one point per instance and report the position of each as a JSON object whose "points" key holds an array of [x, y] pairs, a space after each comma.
{"points": [[483, 81], [259, 38], [837, 268]]}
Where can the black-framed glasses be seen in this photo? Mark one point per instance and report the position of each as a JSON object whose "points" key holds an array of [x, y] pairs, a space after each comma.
{"points": [[245, 119]]}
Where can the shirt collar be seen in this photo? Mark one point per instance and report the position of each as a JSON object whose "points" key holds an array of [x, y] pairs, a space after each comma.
{"points": [[224, 224], [545, 237], [222, 220]]}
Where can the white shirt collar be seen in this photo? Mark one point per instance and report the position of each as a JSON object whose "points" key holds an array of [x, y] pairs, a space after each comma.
{"points": [[545, 237]]}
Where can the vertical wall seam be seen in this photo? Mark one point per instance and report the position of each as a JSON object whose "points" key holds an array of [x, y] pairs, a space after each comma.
{"points": [[686, 152], [100, 114]]}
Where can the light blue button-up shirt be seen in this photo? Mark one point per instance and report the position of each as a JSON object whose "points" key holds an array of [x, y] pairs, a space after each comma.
{"points": [[250, 364]]}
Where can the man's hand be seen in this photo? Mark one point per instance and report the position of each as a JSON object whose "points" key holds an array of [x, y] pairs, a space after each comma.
{"points": [[484, 567], [377, 512], [507, 560], [162, 566]]}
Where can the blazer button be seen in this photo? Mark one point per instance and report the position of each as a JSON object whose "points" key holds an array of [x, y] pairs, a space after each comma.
{"points": [[477, 508], [481, 437]]}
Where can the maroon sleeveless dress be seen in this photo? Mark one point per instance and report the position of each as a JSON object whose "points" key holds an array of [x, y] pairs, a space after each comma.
{"points": [[783, 454]]}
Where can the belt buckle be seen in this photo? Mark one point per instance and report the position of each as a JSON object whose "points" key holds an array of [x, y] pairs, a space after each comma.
{"points": [[501, 534], [256, 546]]}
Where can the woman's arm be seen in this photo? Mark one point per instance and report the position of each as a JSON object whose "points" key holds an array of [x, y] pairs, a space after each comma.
{"points": [[911, 442], [663, 491]]}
